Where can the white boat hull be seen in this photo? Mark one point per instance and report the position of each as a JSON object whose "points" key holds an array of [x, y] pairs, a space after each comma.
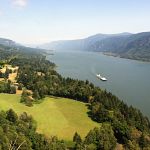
{"points": [[101, 78]]}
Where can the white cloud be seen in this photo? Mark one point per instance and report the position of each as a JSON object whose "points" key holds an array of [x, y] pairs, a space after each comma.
{"points": [[20, 3]]}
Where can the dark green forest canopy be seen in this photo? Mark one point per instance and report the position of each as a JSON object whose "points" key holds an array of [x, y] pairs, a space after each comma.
{"points": [[20, 131], [38, 74], [9, 52]]}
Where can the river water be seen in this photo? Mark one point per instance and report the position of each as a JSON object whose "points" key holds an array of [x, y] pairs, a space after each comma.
{"points": [[127, 79]]}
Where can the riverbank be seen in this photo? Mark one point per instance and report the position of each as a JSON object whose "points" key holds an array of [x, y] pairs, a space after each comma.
{"points": [[124, 75], [126, 57]]}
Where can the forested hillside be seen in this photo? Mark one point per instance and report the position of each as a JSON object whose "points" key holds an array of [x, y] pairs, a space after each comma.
{"points": [[126, 45], [7, 42], [19, 133], [119, 123], [136, 46], [79, 44]]}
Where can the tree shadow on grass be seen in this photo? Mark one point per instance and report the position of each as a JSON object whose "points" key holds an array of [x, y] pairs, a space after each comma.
{"points": [[89, 113], [55, 97]]}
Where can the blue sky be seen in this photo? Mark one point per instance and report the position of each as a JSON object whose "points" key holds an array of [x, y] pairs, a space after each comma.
{"points": [[40, 21]]}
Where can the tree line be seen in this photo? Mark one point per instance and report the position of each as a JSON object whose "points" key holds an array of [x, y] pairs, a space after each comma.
{"points": [[19, 133], [39, 75], [119, 122]]}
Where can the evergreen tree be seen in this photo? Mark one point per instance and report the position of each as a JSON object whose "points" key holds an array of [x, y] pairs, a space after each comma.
{"points": [[12, 90], [36, 95], [77, 138], [11, 116]]}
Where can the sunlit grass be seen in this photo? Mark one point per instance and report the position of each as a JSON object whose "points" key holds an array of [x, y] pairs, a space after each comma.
{"points": [[54, 116]]}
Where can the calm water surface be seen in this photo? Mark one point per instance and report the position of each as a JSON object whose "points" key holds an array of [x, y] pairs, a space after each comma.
{"points": [[128, 79]]}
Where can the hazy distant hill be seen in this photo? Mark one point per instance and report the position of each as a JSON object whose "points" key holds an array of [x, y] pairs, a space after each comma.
{"points": [[127, 45], [7, 42], [79, 44], [136, 46], [10, 45]]}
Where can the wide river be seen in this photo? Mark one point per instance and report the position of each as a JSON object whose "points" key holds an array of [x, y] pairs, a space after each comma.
{"points": [[127, 79]]}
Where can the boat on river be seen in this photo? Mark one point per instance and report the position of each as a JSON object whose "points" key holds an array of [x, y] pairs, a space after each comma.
{"points": [[101, 77]]}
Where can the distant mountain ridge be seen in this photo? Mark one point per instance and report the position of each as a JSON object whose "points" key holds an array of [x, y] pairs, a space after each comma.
{"points": [[135, 46], [7, 42], [79, 44], [126, 45]]}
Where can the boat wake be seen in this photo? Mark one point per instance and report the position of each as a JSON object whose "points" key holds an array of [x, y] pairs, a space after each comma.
{"points": [[93, 71]]}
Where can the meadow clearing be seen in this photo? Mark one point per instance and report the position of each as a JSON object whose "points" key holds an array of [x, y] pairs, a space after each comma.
{"points": [[54, 116]]}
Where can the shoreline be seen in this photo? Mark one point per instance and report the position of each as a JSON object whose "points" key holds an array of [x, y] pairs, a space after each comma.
{"points": [[119, 56]]}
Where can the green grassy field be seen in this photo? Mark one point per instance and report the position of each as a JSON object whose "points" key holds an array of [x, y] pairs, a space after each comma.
{"points": [[54, 116]]}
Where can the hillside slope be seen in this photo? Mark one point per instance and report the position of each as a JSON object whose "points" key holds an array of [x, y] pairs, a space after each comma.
{"points": [[78, 44], [136, 46], [54, 116], [127, 45]]}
